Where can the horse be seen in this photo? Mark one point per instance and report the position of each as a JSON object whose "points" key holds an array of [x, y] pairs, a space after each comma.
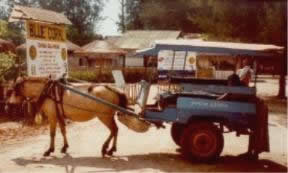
{"points": [[59, 104]]}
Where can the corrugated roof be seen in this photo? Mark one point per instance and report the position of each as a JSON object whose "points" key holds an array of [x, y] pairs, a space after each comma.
{"points": [[139, 39], [228, 45], [99, 47], [213, 48], [71, 46], [26, 13]]}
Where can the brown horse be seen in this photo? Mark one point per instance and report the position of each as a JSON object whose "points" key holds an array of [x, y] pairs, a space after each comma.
{"points": [[58, 104]]}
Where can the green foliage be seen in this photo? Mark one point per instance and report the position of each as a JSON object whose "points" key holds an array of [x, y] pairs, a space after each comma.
{"points": [[80, 38], [84, 15], [10, 31], [89, 76], [260, 21], [274, 23], [3, 27], [131, 75], [7, 68]]}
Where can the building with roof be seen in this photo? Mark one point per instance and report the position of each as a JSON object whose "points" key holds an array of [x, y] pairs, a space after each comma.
{"points": [[99, 53], [139, 39], [134, 40]]}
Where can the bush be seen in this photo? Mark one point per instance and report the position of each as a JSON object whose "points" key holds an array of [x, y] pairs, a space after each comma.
{"points": [[131, 75], [89, 76], [7, 66]]}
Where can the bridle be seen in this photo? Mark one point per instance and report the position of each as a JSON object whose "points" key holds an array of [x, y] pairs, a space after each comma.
{"points": [[52, 90]]}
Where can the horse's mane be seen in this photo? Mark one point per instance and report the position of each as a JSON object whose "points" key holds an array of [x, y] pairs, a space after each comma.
{"points": [[122, 96]]}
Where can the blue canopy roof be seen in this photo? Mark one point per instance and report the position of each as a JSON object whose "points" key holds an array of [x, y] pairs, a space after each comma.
{"points": [[212, 48]]}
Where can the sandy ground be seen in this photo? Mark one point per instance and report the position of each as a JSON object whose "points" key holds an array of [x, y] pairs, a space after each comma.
{"points": [[153, 151]]}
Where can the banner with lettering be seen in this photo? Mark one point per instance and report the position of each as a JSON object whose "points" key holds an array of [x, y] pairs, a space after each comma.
{"points": [[46, 50]]}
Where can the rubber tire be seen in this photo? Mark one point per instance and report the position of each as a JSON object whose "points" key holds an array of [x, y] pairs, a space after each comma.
{"points": [[208, 132], [176, 132]]}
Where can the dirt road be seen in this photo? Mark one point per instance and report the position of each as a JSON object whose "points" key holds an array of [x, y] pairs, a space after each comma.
{"points": [[153, 151]]}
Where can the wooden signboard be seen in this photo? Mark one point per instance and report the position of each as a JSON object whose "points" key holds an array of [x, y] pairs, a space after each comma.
{"points": [[46, 49]]}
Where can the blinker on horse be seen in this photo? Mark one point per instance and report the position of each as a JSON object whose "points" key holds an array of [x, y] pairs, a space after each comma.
{"points": [[58, 104]]}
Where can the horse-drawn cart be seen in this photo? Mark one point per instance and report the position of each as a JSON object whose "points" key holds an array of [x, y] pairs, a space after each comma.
{"points": [[198, 117]]}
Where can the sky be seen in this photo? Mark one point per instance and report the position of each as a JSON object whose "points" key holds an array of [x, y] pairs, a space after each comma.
{"points": [[110, 13]]}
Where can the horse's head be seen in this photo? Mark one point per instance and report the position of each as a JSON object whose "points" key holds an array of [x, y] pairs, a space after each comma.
{"points": [[25, 87]]}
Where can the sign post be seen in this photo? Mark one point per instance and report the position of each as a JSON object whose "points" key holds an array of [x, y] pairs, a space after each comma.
{"points": [[46, 49]]}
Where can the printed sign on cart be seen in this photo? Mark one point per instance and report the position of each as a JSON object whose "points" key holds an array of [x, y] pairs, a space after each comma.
{"points": [[46, 50], [181, 60], [191, 61], [165, 60]]}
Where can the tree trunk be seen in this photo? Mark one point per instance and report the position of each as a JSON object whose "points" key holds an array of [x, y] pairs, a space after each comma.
{"points": [[282, 87], [283, 73]]}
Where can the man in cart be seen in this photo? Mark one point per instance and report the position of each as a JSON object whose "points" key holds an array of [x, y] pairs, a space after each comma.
{"points": [[259, 137], [245, 73]]}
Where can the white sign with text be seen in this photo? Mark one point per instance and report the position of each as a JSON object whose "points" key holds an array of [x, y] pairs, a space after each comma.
{"points": [[46, 58]]}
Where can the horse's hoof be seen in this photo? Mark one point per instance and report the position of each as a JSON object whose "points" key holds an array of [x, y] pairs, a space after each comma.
{"points": [[103, 155], [46, 154], [110, 153], [64, 149]]}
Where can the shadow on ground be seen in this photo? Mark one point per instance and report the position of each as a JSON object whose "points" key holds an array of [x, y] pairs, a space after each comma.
{"points": [[156, 161]]}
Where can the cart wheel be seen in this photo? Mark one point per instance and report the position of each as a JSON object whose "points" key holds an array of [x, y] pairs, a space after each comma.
{"points": [[176, 132], [202, 141]]}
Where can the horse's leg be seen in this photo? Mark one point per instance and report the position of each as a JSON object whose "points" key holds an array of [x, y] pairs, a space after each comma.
{"points": [[110, 123], [63, 131], [53, 123], [115, 134]]}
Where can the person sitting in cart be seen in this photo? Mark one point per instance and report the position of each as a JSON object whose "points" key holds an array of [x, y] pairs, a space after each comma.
{"points": [[258, 139], [245, 73]]}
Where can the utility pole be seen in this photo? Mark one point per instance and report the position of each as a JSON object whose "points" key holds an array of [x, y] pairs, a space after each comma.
{"points": [[122, 16]]}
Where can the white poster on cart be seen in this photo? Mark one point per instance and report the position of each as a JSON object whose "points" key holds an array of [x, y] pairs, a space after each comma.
{"points": [[191, 61], [179, 61], [46, 50], [165, 60]]}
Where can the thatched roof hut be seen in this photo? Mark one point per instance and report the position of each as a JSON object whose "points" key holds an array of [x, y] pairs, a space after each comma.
{"points": [[101, 53], [100, 48]]}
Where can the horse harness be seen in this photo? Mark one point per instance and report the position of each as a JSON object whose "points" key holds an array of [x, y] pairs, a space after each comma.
{"points": [[55, 92]]}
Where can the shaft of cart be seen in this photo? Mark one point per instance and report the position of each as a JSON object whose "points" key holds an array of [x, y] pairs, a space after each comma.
{"points": [[99, 100]]}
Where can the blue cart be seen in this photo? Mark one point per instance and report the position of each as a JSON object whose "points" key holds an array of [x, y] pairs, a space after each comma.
{"points": [[198, 119]]}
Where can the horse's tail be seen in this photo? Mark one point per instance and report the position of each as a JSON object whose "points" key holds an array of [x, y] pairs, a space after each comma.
{"points": [[123, 100]]}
